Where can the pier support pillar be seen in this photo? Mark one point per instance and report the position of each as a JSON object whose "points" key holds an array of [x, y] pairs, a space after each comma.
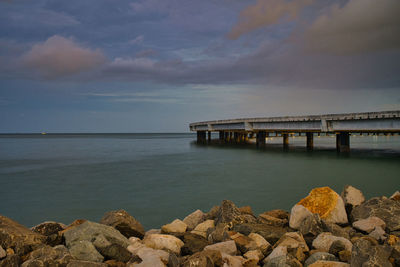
{"points": [[221, 137], [201, 137], [343, 142], [310, 141], [230, 136], [226, 137], [235, 137], [260, 139], [209, 136], [285, 137]]}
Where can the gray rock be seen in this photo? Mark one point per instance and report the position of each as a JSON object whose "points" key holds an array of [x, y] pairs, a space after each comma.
{"points": [[386, 209], [218, 233], [369, 224], [365, 253], [317, 256], [268, 232], [123, 222], [10, 261], [352, 197], [337, 230], [51, 231], [379, 234], [283, 261], [16, 236], [228, 212], [173, 261], [228, 247], [311, 227], [85, 250], [90, 231], [49, 256], [3, 253], [193, 219], [78, 263], [193, 243], [204, 259], [324, 241], [297, 215], [336, 247]]}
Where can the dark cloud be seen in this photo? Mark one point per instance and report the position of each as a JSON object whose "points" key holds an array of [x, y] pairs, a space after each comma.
{"points": [[59, 56], [357, 27]]}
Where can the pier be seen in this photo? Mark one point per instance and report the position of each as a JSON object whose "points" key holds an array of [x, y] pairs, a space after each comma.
{"points": [[239, 131]]}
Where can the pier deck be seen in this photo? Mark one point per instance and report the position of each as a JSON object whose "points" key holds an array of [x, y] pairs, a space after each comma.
{"points": [[343, 125]]}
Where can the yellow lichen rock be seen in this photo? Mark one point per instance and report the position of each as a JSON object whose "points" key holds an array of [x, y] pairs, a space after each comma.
{"points": [[327, 203]]}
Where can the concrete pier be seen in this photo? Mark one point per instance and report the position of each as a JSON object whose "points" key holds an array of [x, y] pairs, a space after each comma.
{"points": [[343, 125]]}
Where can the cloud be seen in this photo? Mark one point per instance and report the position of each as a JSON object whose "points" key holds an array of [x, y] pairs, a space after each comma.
{"points": [[137, 40], [265, 13], [59, 56], [358, 26]]}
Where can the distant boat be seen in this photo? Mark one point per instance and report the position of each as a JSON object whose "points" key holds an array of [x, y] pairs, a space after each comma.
{"points": [[44, 133]]}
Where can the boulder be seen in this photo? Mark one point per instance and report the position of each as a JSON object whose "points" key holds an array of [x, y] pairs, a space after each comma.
{"points": [[312, 226], [336, 247], [152, 231], [80, 263], [324, 241], [292, 240], [164, 242], [85, 250], [227, 213], [261, 244], [3, 253], [369, 224], [297, 215], [145, 253], [16, 236], [283, 261], [276, 252], [72, 225], [396, 196], [254, 254], [177, 226], [352, 197], [386, 209], [227, 247], [123, 222], [365, 253], [345, 256], [205, 258], [193, 219], [51, 231], [193, 243], [243, 243], [336, 230], [322, 263], [10, 261], [246, 210], [378, 233], [49, 256], [271, 220], [232, 261], [218, 233], [318, 256], [327, 203], [201, 229], [268, 232]]}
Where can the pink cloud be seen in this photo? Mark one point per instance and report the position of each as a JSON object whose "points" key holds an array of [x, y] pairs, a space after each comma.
{"points": [[59, 56]]}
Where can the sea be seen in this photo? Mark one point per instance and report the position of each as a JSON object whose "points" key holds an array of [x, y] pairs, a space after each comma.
{"points": [[160, 177]]}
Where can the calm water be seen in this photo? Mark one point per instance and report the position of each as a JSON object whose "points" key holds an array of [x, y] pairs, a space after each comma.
{"points": [[160, 177]]}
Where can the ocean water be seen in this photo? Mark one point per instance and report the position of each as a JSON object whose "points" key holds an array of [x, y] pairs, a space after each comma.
{"points": [[160, 177]]}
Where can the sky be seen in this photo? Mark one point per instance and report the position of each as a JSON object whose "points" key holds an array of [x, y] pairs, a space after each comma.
{"points": [[157, 65]]}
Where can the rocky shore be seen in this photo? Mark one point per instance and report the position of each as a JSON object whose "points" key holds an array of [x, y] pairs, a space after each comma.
{"points": [[323, 229]]}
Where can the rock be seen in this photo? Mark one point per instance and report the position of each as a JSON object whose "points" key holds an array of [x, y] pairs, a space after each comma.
{"points": [[10, 261], [392, 240], [386, 209], [395, 196], [246, 210], [114, 263], [123, 222], [270, 220], [114, 252], [177, 226], [277, 252], [318, 256], [345, 256], [280, 214], [86, 251], [50, 230], [327, 203], [164, 242], [152, 231], [212, 214], [145, 253], [268, 232], [227, 213], [232, 261], [201, 229], [324, 241], [292, 240], [227, 247], [193, 219], [17, 236], [79, 263], [193, 243], [219, 233], [336, 247], [90, 231], [3, 253], [262, 244], [283, 261], [352, 197], [72, 225], [366, 254], [297, 215], [322, 263], [243, 243], [254, 254], [312, 226], [173, 261], [379, 234], [49, 256], [369, 224], [204, 259], [336, 230]]}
